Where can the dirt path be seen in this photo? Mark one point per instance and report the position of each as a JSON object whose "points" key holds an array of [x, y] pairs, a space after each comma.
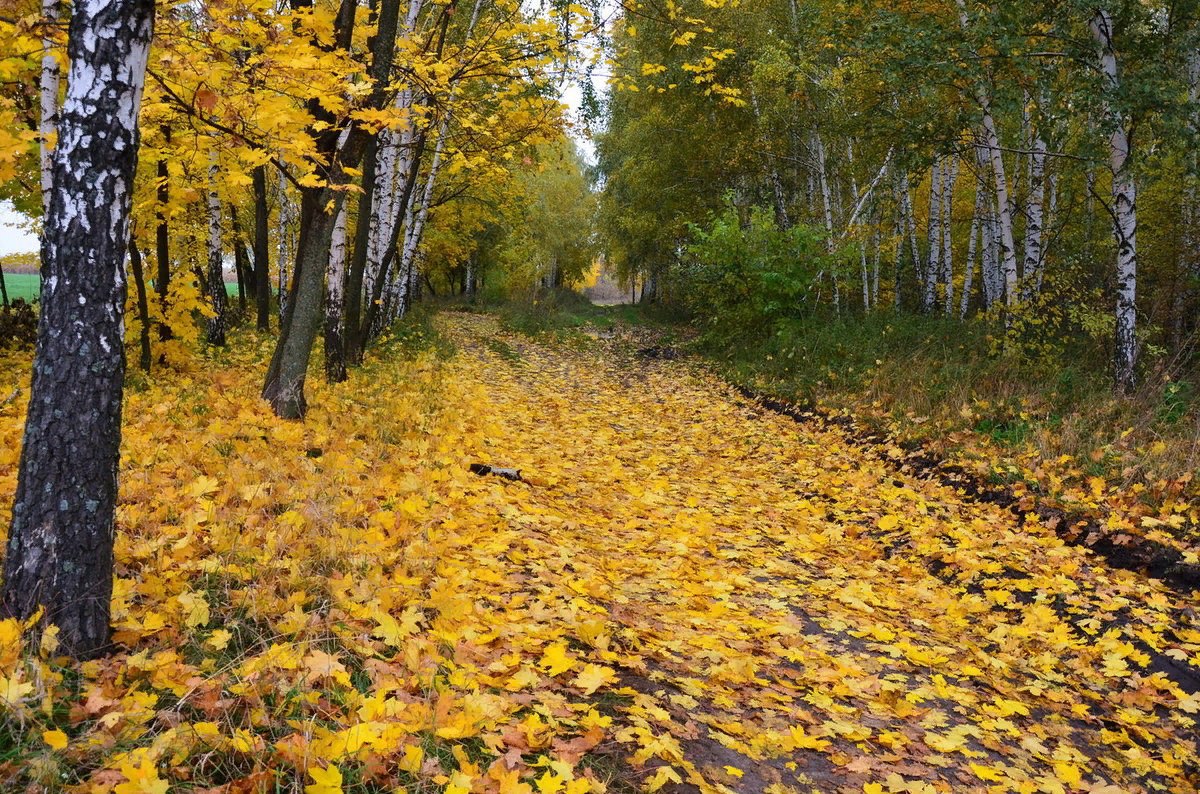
{"points": [[787, 612]]}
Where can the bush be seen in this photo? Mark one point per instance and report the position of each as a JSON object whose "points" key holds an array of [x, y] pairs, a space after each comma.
{"points": [[18, 325], [744, 280]]}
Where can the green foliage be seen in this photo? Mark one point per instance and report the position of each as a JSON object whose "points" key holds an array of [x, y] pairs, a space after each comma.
{"points": [[745, 280]]}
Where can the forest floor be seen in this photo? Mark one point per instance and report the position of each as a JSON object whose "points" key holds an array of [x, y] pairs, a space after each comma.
{"points": [[685, 591]]}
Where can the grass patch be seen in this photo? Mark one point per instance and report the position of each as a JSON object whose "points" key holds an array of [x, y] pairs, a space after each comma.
{"points": [[415, 334], [564, 312], [1050, 422], [26, 286]]}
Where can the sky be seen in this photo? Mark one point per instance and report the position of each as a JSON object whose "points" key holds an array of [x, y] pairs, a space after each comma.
{"points": [[14, 238]]}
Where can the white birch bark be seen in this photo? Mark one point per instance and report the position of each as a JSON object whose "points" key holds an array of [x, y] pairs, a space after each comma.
{"points": [[991, 144], [950, 177], [1034, 218], [216, 264], [1124, 193], [910, 224], [933, 267], [826, 198], [969, 273], [781, 213], [875, 275], [284, 256], [336, 273], [48, 122], [392, 168]]}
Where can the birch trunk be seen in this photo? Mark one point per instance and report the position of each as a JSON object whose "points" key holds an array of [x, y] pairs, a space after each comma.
{"points": [[216, 266], [60, 544], [283, 254], [335, 350], [1034, 218], [781, 214], [48, 85], [991, 145], [1124, 193], [950, 171], [933, 267], [968, 275]]}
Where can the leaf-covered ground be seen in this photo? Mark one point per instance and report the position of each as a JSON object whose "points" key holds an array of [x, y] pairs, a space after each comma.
{"points": [[685, 592]]}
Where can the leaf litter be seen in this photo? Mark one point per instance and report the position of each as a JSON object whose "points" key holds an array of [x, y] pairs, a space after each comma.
{"points": [[683, 592]]}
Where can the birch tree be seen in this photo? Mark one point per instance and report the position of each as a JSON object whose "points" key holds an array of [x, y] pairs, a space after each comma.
{"points": [[1124, 210], [60, 544]]}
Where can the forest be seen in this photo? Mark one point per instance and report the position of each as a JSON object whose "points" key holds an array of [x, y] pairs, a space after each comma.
{"points": [[515, 396]]}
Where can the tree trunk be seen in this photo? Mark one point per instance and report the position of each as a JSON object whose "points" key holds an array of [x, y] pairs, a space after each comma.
{"points": [[48, 122], [965, 302], [991, 145], [60, 544], [335, 292], [241, 260], [1124, 192], [1032, 266], [933, 267], [262, 273], [284, 387], [162, 239], [284, 254], [950, 171], [216, 266], [139, 283]]}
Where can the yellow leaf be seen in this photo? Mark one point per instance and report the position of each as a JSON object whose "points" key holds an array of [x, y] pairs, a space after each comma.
{"points": [[734, 771], [549, 783], [555, 659], [594, 676], [325, 781], [662, 776], [56, 739], [888, 522], [987, 773]]}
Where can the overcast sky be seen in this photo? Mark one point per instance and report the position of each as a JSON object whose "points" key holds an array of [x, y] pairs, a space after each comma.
{"points": [[14, 239]]}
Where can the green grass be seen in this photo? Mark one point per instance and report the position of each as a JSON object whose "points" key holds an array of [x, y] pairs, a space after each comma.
{"points": [[22, 285], [947, 384], [564, 312], [27, 286]]}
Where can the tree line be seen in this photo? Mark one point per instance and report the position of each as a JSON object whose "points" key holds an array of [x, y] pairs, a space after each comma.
{"points": [[954, 157]]}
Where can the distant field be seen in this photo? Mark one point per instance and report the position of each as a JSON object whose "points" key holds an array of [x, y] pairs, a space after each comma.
{"points": [[22, 285], [27, 286]]}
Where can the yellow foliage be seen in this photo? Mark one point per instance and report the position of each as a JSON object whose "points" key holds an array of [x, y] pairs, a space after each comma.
{"points": [[684, 585]]}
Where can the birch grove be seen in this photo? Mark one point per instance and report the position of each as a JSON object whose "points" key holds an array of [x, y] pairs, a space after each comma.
{"points": [[988, 125]]}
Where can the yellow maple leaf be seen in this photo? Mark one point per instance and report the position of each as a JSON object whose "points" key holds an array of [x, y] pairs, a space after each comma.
{"points": [[549, 783], [594, 676], [555, 659], [325, 781]]}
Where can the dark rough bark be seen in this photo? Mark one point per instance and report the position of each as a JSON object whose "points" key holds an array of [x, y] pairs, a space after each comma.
{"points": [[3, 291], [241, 261], [262, 277], [60, 544], [139, 283], [284, 388], [352, 342], [162, 240]]}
